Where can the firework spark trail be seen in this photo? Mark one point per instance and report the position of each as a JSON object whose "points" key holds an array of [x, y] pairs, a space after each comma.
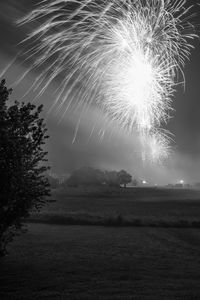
{"points": [[156, 146], [123, 55]]}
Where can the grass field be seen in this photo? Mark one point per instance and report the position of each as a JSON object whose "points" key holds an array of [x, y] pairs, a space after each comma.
{"points": [[89, 262], [119, 206], [156, 257]]}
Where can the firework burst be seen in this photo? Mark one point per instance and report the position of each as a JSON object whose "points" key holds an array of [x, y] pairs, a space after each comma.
{"points": [[156, 146], [122, 55]]}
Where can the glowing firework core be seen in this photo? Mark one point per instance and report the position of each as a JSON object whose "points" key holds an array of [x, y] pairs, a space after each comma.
{"points": [[134, 79]]}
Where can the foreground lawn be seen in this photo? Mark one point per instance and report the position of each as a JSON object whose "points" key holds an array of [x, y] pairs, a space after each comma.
{"points": [[89, 262]]}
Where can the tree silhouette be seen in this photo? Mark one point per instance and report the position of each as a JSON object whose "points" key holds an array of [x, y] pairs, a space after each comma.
{"points": [[112, 178], [86, 176], [23, 185], [124, 177]]}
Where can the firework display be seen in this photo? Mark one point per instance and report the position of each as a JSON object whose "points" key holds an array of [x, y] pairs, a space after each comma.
{"points": [[125, 56]]}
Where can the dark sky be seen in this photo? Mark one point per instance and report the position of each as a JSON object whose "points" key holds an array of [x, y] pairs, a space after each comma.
{"points": [[116, 150]]}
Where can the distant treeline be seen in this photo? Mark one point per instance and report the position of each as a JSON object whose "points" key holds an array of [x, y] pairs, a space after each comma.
{"points": [[87, 176]]}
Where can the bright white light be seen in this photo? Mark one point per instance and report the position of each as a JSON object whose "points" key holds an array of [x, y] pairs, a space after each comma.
{"points": [[157, 146], [130, 96], [124, 56]]}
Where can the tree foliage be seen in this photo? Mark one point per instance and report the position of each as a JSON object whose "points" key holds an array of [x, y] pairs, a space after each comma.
{"points": [[23, 185], [111, 178], [124, 177], [88, 176]]}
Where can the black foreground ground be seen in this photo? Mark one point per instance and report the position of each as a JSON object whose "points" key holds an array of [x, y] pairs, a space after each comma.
{"points": [[91, 262]]}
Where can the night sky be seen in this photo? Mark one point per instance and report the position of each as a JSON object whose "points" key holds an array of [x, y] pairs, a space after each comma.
{"points": [[116, 150]]}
